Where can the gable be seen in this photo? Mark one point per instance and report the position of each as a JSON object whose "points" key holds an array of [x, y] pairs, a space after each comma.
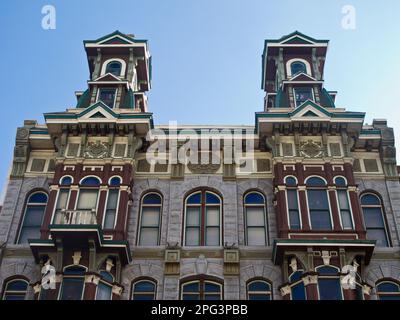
{"points": [[310, 109], [108, 77], [297, 40], [302, 77], [116, 40], [97, 111]]}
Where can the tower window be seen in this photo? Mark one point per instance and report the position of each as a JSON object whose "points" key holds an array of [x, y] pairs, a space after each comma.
{"points": [[114, 67], [107, 96], [298, 67], [302, 95]]}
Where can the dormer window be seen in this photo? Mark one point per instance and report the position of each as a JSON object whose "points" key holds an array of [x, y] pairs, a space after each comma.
{"points": [[298, 67], [114, 67], [302, 95], [107, 96]]}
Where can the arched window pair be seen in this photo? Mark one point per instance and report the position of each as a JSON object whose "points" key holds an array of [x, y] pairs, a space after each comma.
{"points": [[388, 290], [15, 289], [374, 220]]}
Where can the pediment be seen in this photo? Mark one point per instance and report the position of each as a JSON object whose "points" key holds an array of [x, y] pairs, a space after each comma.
{"points": [[312, 111], [302, 77], [108, 77], [97, 111]]}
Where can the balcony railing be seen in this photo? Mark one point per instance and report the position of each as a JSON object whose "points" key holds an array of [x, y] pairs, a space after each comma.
{"points": [[64, 217]]}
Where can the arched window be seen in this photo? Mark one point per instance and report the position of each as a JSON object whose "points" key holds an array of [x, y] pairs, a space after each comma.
{"points": [[259, 290], [318, 204], [329, 286], [33, 217], [292, 203], [346, 216], [15, 289], [144, 290], [298, 67], [110, 215], [255, 219], [388, 290], [104, 288], [114, 67], [66, 181], [73, 283], [86, 206], [203, 219], [150, 220], [298, 291], [201, 289], [373, 218]]}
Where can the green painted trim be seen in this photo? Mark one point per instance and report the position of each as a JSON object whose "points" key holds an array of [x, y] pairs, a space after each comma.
{"points": [[373, 131], [115, 33]]}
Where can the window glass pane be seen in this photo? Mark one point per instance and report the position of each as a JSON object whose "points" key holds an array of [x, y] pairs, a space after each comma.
{"points": [[343, 200], [370, 199], [112, 199], [190, 297], [295, 276], [87, 199], [255, 216], [346, 219], [194, 199], [62, 199], [317, 199], [294, 219], [90, 181], [297, 67], [192, 216], [107, 276], [34, 215], [320, 220], [114, 68], [388, 287], [144, 286], [38, 198], [292, 199], [211, 198], [72, 288], [256, 236], [152, 199], [17, 285], [315, 182], [259, 286], [74, 271], [212, 236], [66, 181], [340, 182], [211, 287], [192, 236], [150, 216], [302, 95], [298, 292], [109, 219], [212, 297], [104, 291], [389, 297], [148, 237], [116, 181], [329, 289], [254, 198], [29, 233], [290, 181], [379, 235], [191, 287], [143, 296], [107, 96], [373, 217], [212, 216]]}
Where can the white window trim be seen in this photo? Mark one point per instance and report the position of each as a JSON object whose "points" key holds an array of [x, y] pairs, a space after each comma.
{"points": [[123, 66], [107, 88], [289, 69], [246, 205], [141, 214]]}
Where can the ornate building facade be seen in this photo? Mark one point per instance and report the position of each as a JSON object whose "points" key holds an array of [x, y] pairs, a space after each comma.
{"points": [[310, 209]]}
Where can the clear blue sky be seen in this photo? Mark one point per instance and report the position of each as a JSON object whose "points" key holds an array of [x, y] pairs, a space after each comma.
{"points": [[206, 56]]}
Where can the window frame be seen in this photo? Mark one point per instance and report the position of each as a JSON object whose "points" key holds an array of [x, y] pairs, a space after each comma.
{"points": [[106, 62], [292, 188], [350, 210], [60, 293], [14, 292], [322, 188], [160, 206], [107, 88], [383, 215], [109, 189], [106, 283], [379, 294], [202, 222], [27, 203], [202, 280], [258, 279], [303, 87], [143, 279], [337, 276], [265, 216], [295, 283]]}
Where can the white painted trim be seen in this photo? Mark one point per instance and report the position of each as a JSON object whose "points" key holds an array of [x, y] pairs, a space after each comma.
{"points": [[289, 63], [121, 61]]}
